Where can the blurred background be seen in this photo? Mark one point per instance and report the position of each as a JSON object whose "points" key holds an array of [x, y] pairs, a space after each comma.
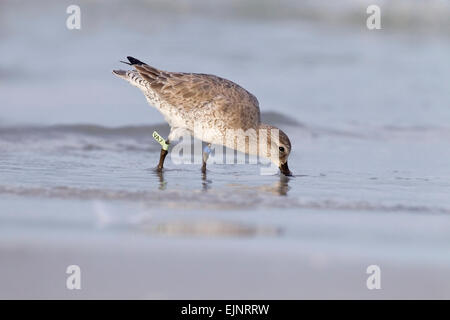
{"points": [[341, 72], [367, 112]]}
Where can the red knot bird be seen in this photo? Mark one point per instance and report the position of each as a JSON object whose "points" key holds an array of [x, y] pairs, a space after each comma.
{"points": [[216, 106]]}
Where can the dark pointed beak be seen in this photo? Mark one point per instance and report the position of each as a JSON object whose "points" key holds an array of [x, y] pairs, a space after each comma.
{"points": [[285, 169]]}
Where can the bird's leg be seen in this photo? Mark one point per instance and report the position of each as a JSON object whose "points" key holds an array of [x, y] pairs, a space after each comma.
{"points": [[162, 157], [206, 152]]}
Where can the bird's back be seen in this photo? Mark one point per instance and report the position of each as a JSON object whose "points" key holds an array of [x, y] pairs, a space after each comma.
{"points": [[203, 98]]}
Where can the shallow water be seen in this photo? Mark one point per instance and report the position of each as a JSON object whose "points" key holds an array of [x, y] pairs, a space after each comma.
{"points": [[367, 114]]}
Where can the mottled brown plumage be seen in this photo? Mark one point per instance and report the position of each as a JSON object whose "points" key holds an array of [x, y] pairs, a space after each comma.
{"points": [[191, 101], [194, 93]]}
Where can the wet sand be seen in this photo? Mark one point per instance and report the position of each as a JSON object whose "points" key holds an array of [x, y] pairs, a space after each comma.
{"points": [[129, 251]]}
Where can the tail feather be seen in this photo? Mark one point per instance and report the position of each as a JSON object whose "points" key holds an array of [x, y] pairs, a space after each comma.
{"points": [[143, 76], [132, 77], [120, 73], [134, 61], [148, 72]]}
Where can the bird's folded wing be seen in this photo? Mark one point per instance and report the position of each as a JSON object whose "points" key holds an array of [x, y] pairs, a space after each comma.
{"points": [[203, 94]]}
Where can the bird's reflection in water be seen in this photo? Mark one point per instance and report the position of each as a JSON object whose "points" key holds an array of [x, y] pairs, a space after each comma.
{"points": [[281, 187], [162, 182], [206, 184]]}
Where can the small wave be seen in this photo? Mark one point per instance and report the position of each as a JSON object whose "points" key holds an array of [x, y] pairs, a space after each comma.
{"points": [[124, 131], [405, 15], [83, 129], [408, 16], [218, 200], [89, 137], [272, 117]]}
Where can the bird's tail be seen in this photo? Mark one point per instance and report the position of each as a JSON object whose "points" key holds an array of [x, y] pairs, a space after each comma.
{"points": [[134, 61], [133, 76], [121, 74]]}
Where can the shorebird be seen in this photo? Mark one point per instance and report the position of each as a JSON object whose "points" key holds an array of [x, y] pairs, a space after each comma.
{"points": [[190, 100]]}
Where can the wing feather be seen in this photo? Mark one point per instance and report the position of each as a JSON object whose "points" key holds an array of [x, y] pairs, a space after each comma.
{"points": [[194, 92]]}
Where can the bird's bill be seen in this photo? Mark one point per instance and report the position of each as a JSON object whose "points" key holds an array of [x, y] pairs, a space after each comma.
{"points": [[285, 169]]}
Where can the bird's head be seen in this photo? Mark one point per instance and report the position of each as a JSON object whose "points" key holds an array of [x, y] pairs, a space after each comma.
{"points": [[283, 146], [280, 148]]}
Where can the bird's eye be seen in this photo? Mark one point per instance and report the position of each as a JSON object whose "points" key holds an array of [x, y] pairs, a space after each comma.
{"points": [[281, 149]]}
